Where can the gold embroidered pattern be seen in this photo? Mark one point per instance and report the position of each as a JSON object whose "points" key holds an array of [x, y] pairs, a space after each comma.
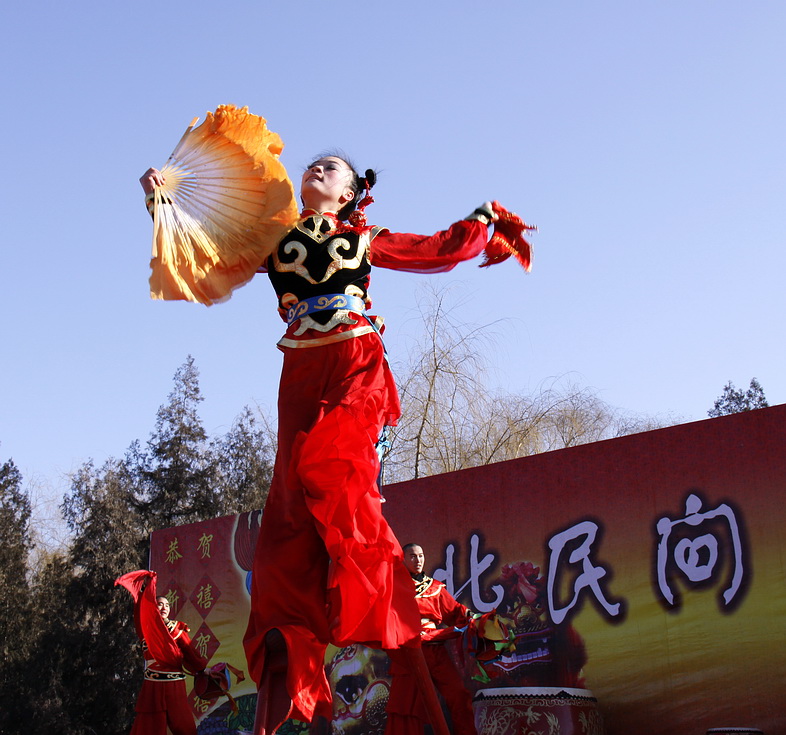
{"points": [[338, 262], [341, 316], [329, 339], [422, 587], [297, 266], [320, 226], [153, 675]]}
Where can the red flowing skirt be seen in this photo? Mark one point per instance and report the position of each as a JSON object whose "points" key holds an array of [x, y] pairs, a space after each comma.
{"points": [[327, 567]]}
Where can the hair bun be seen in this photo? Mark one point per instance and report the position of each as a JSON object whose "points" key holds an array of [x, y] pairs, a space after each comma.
{"points": [[370, 178]]}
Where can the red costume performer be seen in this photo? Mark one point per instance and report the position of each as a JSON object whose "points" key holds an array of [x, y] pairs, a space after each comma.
{"points": [[405, 710], [168, 654], [327, 566]]}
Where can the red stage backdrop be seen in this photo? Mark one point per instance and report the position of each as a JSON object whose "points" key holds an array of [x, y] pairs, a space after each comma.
{"points": [[649, 569]]}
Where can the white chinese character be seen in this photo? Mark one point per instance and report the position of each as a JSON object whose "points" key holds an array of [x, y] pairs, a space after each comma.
{"points": [[688, 552], [590, 575], [476, 569]]}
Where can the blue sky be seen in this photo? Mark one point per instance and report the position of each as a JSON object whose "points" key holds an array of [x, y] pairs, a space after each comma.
{"points": [[646, 140]]}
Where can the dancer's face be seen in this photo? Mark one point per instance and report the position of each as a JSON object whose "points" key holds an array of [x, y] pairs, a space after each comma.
{"points": [[163, 607], [414, 559], [327, 185]]}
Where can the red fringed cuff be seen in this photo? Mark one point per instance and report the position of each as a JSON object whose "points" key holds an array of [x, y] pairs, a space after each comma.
{"points": [[508, 239]]}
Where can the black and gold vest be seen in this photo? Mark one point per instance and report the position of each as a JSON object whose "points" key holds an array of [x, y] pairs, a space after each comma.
{"points": [[316, 259]]}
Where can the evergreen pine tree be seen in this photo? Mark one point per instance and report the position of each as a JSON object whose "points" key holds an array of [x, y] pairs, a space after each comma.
{"points": [[245, 457], [93, 620], [15, 595], [735, 400], [175, 476]]}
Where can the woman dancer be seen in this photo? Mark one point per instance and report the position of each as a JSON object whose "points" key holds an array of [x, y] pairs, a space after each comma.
{"points": [[327, 566]]}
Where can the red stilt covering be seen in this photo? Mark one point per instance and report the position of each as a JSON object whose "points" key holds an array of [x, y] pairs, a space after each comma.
{"points": [[411, 665], [327, 567]]}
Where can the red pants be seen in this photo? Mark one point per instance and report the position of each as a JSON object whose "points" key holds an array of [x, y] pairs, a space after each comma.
{"points": [[327, 567], [163, 704]]}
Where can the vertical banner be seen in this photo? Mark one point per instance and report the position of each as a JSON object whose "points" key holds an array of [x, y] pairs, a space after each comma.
{"points": [[643, 581], [204, 569]]}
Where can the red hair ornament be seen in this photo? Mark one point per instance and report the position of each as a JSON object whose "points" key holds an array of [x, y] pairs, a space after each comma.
{"points": [[358, 218]]}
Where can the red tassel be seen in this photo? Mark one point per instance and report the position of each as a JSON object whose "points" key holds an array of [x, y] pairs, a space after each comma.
{"points": [[358, 217], [508, 239]]}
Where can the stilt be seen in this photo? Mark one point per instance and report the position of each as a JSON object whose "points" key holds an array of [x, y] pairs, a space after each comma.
{"points": [[273, 702], [415, 662]]}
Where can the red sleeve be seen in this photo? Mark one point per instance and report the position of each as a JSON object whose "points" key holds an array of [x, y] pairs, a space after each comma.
{"points": [[453, 613], [401, 251], [192, 661], [151, 627]]}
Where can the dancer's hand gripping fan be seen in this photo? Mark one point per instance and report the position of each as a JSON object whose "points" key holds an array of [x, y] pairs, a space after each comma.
{"points": [[226, 203]]}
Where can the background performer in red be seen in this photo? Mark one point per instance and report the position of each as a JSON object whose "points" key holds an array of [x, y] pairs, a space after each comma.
{"points": [[437, 609], [168, 653]]}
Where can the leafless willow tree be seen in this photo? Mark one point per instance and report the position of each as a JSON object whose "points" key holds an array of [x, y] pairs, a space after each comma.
{"points": [[452, 419]]}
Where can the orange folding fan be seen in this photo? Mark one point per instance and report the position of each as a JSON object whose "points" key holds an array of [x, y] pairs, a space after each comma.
{"points": [[226, 203]]}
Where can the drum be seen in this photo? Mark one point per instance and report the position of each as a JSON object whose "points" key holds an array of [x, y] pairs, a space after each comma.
{"points": [[537, 711], [734, 731]]}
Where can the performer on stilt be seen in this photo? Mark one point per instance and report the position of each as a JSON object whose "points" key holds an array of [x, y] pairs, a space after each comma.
{"points": [[168, 652], [441, 617], [327, 566]]}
